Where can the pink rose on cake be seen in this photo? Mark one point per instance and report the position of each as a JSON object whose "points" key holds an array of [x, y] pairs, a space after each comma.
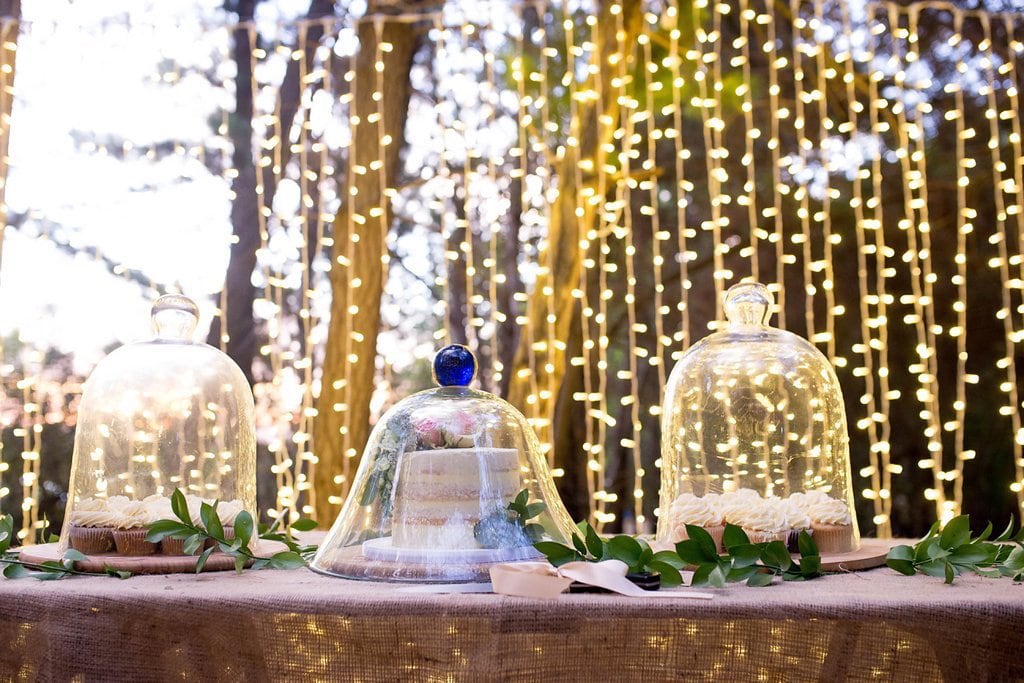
{"points": [[428, 429], [439, 428]]}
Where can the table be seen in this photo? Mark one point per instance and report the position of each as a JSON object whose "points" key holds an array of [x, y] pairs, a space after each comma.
{"points": [[297, 625]]}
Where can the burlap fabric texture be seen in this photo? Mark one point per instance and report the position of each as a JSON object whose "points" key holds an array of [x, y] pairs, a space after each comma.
{"points": [[299, 626]]}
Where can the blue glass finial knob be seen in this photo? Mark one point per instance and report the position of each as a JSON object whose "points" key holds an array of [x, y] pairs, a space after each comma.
{"points": [[454, 366]]}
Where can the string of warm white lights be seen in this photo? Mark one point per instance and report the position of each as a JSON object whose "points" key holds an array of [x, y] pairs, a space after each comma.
{"points": [[771, 136]]}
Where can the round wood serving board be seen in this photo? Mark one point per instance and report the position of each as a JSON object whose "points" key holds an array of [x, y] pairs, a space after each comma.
{"points": [[350, 562], [871, 554], [146, 564]]}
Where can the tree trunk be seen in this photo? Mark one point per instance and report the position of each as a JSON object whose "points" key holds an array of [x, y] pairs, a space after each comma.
{"points": [[561, 261], [360, 230], [11, 11], [238, 320], [458, 305], [508, 333]]}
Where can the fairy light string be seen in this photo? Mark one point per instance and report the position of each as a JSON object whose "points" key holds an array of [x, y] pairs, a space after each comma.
{"points": [[776, 94]]}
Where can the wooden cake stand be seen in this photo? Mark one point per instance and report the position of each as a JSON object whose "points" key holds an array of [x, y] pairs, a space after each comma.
{"points": [[871, 554], [350, 562], [147, 564]]}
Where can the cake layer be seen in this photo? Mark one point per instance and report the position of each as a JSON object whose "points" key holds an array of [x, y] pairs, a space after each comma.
{"points": [[420, 490], [441, 494], [457, 533], [460, 462], [443, 509]]}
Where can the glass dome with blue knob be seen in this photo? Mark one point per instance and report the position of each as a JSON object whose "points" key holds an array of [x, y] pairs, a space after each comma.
{"points": [[452, 480]]}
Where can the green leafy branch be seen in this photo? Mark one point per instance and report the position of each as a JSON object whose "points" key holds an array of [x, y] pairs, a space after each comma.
{"points": [[510, 527], [947, 552], [636, 553], [196, 536], [273, 532], [756, 563], [16, 568]]}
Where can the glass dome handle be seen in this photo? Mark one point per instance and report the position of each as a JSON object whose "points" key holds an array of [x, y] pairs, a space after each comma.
{"points": [[748, 303], [454, 366], [175, 317]]}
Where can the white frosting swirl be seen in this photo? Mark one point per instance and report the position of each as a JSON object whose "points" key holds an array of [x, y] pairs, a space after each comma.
{"points": [[90, 505], [735, 505], [157, 508], [131, 515], [829, 511], [689, 509], [92, 512], [764, 516], [195, 504], [797, 500], [227, 511], [115, 503], [796, 517]]}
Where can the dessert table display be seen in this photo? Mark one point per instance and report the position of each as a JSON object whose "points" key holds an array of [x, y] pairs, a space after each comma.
{"points": [[452, 481], [754, 434], [297, 625], [158, 415]]}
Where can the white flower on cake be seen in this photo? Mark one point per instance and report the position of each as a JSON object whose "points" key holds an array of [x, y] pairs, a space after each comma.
{"points": [[439, 427], [829, 511]]}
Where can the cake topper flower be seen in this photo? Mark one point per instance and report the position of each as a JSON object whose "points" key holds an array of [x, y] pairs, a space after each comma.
{"points": [[444, 428]]}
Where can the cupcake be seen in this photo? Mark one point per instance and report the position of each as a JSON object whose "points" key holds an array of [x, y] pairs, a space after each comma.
{"points": [[195, 504], [130, 530], [734, 505], [689, 509], [226, 513], [762, 521], [159, 507], [797, 520], [832, 525], [91, 525], [116, 503]]}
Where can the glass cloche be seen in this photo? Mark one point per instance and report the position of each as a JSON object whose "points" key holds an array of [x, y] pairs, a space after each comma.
{"points": [[158, 415], [452, 480], [754, 434]]}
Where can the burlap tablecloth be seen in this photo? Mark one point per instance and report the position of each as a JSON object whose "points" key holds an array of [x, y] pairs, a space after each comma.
{"points": [[297, 626]]}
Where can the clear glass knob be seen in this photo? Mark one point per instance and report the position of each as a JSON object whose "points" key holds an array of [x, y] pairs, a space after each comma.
{"points": [[748, 303], [175, 317]]}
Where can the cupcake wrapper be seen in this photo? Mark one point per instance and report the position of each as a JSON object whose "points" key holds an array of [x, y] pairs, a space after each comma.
{"points": [[133, 542], [766, 536], [793, 540], [716, 533], [175, 546], [834, 538], [91, 540]]}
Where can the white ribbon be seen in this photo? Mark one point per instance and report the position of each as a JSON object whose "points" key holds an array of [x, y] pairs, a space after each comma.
{"points": [[542, 580]]}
